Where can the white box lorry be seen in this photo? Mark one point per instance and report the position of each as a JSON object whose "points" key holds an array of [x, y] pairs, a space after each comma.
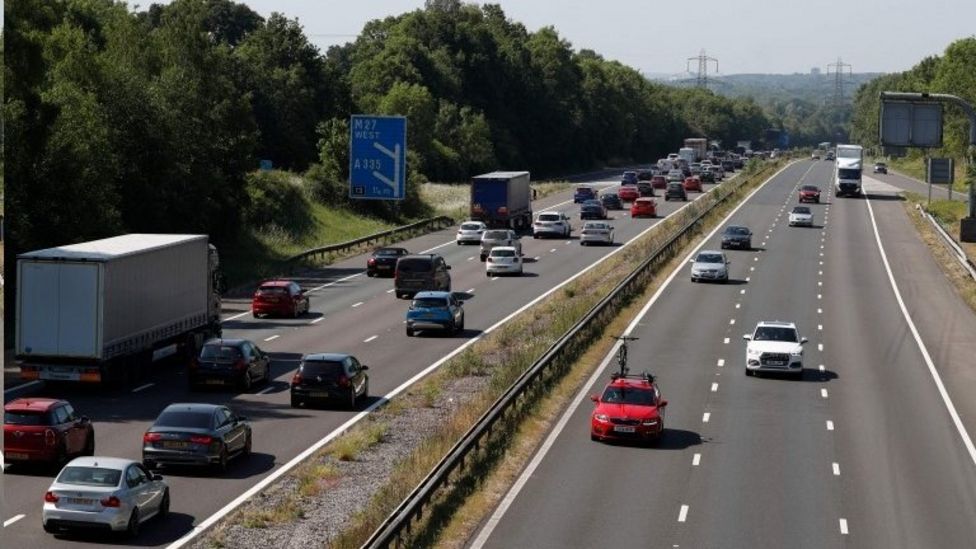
{"points": [[104, 311], [847, 170]]}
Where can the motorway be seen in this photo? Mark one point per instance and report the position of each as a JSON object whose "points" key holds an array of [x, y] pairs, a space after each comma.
{"points": [[865, 451], [349, 313]]}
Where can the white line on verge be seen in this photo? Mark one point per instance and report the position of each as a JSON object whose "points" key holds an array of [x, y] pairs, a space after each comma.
{"points": [[142, 387], [963, 434], [272, 338], [12, 520]]}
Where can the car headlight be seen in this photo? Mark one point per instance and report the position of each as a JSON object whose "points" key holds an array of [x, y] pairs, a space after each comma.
{"points": [[649, 422], [753, 352], [797, 352], [602, 418]]}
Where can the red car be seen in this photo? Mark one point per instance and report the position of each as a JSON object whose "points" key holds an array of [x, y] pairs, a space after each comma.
{"points": [[45, 429], [659, 182], [693, 183], [630, 408], [810, 193], [643, 207], [628, 193], [279, 297]]}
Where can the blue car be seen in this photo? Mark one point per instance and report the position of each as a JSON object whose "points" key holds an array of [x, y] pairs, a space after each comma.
{"points": [[630, 178], [435, 311], [583, 194]]}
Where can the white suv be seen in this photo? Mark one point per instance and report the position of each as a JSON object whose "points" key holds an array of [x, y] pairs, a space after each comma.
{"points": [[551, 223], [775, 347]]}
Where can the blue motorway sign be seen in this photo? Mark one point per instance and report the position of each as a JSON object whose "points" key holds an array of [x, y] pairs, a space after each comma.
{"points": [[377, 157]]}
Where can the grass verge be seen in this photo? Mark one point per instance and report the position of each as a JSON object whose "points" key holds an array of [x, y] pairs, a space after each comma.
{"points": [[915, 167], [503, 356]]}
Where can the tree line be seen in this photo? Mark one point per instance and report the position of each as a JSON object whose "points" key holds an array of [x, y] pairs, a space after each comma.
{"points": [[156, 120]]}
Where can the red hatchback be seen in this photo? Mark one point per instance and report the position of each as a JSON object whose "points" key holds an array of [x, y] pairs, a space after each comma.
{"points": [[659, 182], [643, 207], [46, 430], [279, 297], [693, 184], [809, 193], [630, 408], [628, 193]]}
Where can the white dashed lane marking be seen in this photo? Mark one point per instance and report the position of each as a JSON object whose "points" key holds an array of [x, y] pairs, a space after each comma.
{"points": [[836, 468], [696, 459], [272, 338], [12, 520], [726, 341], [823, 393], [721, 362], [370, 338], [714, 387], [830, 425], [354, 305], [321, 318], [706, 416], [683, 514], [843, 526], [142, 387]]}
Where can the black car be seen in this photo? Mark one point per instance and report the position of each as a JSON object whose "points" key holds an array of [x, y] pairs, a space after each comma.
{"points": [[383, 261], [645, 188], [645, 175], [736, 236], [611, 201], [707, 176], [196, 434], [236, 362], [728, 165], [593, 209], [329, 377], [676, 191]]}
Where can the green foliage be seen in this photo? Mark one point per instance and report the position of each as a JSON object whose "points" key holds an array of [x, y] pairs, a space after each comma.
{"points": [[277, 198]]}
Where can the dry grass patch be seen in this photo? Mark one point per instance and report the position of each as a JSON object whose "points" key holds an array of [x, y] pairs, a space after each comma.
{"points": [[287, 511], [348, 446]]}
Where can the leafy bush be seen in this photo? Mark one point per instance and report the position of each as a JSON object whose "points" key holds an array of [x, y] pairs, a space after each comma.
{"points": [[277, 198]]}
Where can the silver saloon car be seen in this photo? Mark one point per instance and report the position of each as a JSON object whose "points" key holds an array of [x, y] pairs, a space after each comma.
{"points": [[596, 232], [104, 493], [710, 265]]}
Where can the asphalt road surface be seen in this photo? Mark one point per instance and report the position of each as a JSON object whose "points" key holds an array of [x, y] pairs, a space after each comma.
{"points": [[862, 452], [349, 313]]}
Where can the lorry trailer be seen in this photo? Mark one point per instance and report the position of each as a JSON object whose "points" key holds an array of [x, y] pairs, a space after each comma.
{"points": [[502, 200]]}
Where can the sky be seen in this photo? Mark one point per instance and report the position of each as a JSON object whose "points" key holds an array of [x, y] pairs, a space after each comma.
{"points": [[657, 37]]}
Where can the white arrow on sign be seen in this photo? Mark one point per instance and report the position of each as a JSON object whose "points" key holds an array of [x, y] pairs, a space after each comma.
{"points": [[395, 155]]}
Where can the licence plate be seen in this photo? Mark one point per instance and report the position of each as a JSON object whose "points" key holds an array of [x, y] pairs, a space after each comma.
{"points": [[79, 501], [59, 376], [176, 444], [383, 267], [624, 428], [214, 382], [319, 394], [15, 455], [776, 363]]}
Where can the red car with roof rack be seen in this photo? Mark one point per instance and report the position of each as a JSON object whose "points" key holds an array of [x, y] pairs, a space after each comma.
{"points": [[45, 429], [630, 408]]}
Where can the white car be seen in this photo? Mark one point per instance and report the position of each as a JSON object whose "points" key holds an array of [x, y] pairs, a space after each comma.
{"points": [[470, 232], [503, 260], [710, 265], [551, 223], [598, 232], [775, 347], [801, 215], [112, 494]]}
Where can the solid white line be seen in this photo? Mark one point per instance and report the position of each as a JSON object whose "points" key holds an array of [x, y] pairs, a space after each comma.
{"points": [[714, 387], [12, 520], [266, 390], [843, 526], [354, 305], [21, 387], [370, 338], [830, 425], [272, 338], [683, 513], [695, 460], [284, 469], [721, 362], [963, 434], [823, 393], [836, 467], [142, 387], [706, 416], [317, 320]]}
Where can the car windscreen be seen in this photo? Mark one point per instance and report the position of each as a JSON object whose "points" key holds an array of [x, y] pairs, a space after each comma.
{"points": [[595, 226], [388, 252], [849, 173], [431, 302], [775, 333], [621, 395], [810, 188], [801, 210], [737, 230], [24, 417], [502, 253], [90, 476], [609, 197], [709, 258], [549, 217], [220, 352], [323, 368], [470, 226], [272, 291], [185, 418], [496, 235], [415, 265]]}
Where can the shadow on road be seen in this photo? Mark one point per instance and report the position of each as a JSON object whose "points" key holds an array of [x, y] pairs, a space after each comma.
{"points": [[154, 532]]}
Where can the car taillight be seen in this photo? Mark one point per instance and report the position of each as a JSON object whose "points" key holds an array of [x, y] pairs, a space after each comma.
{"points": [[372, 260], [296, 379], [51, 497], [50, 438], [201, 439], [151, 437], [111, 501], [343, 381]]}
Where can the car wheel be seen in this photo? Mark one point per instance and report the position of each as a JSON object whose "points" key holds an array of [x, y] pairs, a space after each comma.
{"points": [[582, 243], [222, 460], [352, 398], [365, 395], [246, 382], [164, 505], [149, 464], [132, 529], [89, 449], [749, 373], [247, 445], [409, 332], [48, 528], [370, 274], [483, 256], [267, 374], [452, 328], [296, 402], [461, 326], [296, 311], [594, 438]]}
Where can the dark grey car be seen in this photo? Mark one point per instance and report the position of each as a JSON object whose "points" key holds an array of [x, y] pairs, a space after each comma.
{"points": [[197, 434], [736, 236], [676, 191], [329, 377]]}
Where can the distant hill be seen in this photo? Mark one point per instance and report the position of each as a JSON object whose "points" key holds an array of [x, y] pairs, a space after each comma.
{"points": [[766, 88]]}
